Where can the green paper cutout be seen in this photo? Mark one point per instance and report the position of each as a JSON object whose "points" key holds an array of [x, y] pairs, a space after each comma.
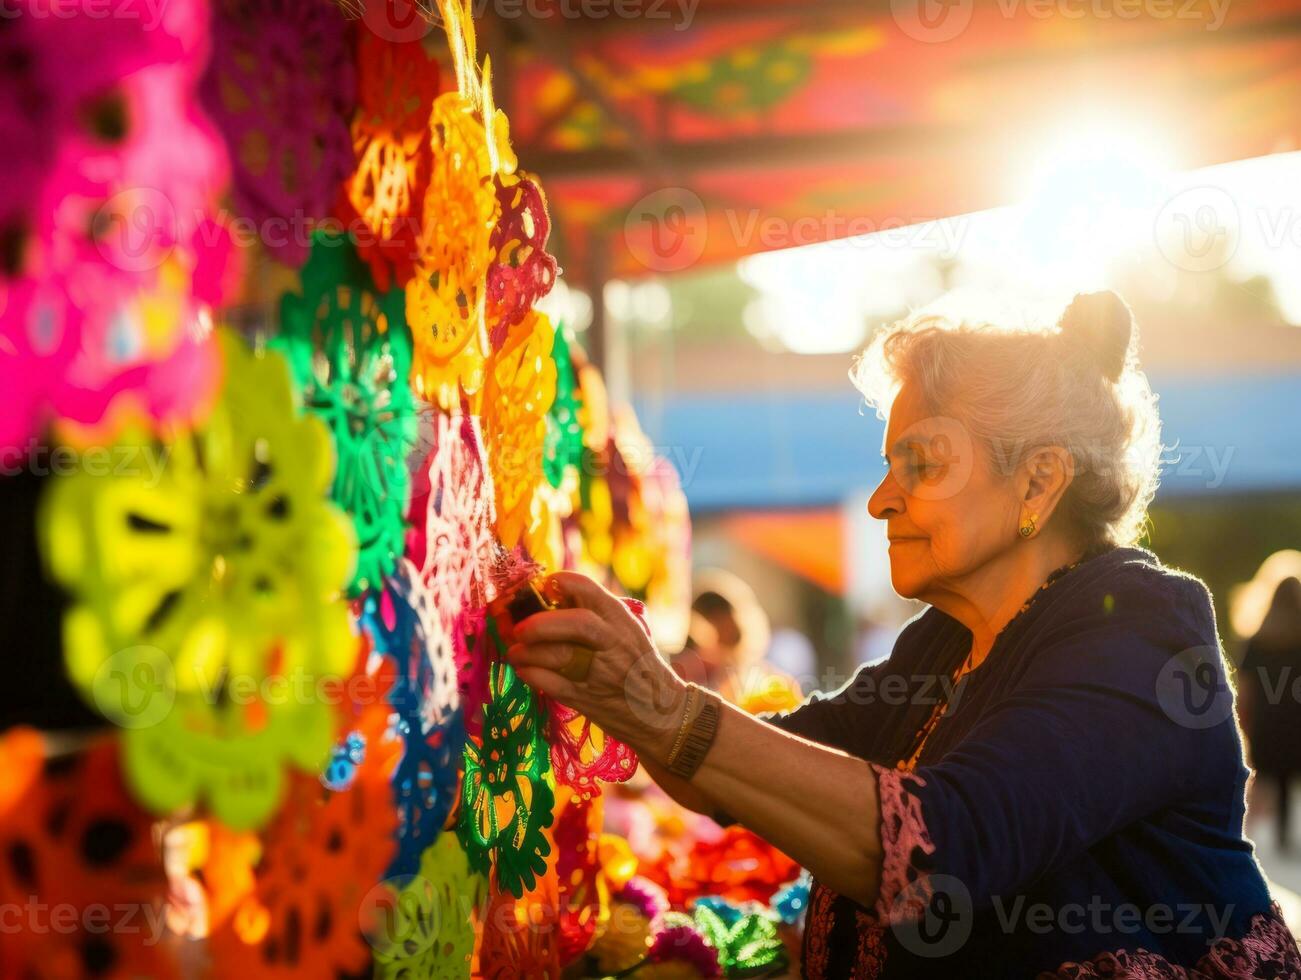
{"points": [[350, 351], [562, 446], [430, 932], [206, 584], [748, 947], [507, 794]]}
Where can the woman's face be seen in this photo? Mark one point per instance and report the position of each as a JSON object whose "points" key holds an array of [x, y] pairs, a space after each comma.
{"points": [[947, 508]]}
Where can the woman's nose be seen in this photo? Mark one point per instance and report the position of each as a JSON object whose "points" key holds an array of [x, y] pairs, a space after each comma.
{"points": [[886, 500]]}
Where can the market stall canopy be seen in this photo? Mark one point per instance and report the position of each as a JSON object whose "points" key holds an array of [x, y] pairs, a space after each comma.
{"points": [[671, 135]]}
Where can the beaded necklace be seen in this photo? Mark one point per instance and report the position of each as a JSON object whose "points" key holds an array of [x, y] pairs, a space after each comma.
{"points": [[968, 666]]}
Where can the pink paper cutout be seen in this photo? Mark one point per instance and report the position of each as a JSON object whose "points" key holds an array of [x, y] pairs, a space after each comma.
{"points": [[451, 513], [570, 735], [281, 86], [474, 654], [120, 252], [568, 732], [451, 545], [53, 68]]}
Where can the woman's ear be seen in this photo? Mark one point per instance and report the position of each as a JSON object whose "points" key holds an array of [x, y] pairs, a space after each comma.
{"points": [[1047, 472]]}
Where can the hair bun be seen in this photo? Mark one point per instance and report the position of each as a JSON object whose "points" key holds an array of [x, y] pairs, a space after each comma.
{"points": [[1103, 326]]}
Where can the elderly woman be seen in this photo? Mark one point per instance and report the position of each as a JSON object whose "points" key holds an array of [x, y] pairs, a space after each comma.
{"points": [[1044, 778]]}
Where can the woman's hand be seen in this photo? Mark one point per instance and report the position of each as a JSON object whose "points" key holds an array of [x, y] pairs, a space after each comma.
{"points": [[630, 691], [817, 804]]}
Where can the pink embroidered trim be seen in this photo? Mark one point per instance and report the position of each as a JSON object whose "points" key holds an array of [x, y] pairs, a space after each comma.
{"points": [[869, 958], [869, 963], [1267, 950], [817, 930], [905, 888]]}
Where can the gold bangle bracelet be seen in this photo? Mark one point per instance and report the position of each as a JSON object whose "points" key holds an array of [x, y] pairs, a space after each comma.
{"points": [[687, 712], [701, 732]]}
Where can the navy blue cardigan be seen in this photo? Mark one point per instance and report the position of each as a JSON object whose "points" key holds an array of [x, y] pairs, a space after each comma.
{"points": [[1077, 812]]}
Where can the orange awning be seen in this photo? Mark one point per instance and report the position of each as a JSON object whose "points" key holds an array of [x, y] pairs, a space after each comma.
{"points": [[809, 543]]}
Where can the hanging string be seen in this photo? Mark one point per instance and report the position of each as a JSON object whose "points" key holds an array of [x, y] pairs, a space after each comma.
{"points": [[458, 22]]}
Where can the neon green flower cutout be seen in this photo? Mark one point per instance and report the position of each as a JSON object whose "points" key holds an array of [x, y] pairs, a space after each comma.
{"points": [[563, 444], [507, 795], [206, 582], [427, 929], [747, 947], [350, 352], [226, 755]]}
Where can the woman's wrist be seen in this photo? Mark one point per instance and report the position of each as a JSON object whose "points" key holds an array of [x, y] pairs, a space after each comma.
{"points": [[664, 732], [690, 707], [696, 732]]}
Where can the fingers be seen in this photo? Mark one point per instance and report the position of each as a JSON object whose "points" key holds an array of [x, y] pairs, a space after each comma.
{"points": [[550, 656], [550, 683], [588, 594], [581, 627]]}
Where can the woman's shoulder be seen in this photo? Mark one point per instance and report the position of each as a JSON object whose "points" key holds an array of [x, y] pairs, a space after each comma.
{"points": [[1131, 589], [1124, 616]]}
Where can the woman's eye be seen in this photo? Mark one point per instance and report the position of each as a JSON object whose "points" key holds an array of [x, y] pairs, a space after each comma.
{"points": [[930, 472]]}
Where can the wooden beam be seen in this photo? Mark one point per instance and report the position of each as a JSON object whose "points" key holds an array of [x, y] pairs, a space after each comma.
{"points": [[762, 151]]}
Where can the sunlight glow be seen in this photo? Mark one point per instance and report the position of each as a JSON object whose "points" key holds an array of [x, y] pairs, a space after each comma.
{"points": [[1087, 201], [1097, 202]]}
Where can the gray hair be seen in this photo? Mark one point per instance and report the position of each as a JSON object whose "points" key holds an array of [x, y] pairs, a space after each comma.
{"points": [[1077, 385]]}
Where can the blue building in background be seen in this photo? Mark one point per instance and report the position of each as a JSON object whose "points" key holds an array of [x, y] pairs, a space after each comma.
{"points": [[777, 448]]}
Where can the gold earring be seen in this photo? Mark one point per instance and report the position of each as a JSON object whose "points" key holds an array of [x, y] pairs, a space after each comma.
{"points": [[1027, 527]]}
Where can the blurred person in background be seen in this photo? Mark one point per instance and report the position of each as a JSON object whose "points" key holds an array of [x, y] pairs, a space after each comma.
{"points": [[728, 640], [792, 653], [1271, 712]]}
